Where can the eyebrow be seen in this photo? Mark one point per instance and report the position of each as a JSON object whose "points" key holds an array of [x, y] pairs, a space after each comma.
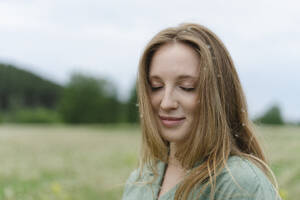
{"points": [[181, 77]]}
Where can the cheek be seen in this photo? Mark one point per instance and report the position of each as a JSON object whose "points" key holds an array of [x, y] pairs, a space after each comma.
{"points": [[155, 100], [191, 104]]}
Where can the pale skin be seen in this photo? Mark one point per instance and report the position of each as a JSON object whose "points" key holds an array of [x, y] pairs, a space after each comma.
{"points": [[173, 77]]}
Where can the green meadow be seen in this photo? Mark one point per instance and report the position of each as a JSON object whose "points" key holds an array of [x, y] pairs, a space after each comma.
{"points": [[59, 162]]}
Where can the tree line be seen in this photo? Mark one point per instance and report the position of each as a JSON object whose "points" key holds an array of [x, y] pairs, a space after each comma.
{"points": [[28, 98]]}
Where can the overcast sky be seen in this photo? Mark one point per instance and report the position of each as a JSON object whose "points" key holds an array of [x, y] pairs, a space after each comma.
{"points": [[54, 38]]}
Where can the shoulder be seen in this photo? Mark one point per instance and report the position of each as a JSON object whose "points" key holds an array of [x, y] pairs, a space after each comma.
{"points": [[130, 189], [241, 179], [141, 175], [133, 177], [139, 185]]}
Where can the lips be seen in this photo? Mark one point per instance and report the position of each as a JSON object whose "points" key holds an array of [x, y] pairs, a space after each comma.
{"points": [[171, 121]]}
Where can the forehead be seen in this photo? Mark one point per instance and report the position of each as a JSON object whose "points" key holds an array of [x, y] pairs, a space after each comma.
{"points": [[174, 60]]}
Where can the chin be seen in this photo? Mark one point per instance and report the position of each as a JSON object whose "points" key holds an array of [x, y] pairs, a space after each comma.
{"points": [[173, 136]]}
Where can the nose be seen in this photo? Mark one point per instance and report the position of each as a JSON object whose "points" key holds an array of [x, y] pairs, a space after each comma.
{"points": [[168, 101]]}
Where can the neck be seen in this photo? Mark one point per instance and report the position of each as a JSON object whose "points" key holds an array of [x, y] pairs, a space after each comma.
{"points": [[172, 159]]}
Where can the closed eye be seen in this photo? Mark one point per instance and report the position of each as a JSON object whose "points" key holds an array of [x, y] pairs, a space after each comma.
{"points": [[155, 88], [187, 89]]}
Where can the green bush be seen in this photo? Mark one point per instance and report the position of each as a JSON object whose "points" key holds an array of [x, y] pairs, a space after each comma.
{"points": [[271, 116], [36, 115], [90, 100], [132, 110]]}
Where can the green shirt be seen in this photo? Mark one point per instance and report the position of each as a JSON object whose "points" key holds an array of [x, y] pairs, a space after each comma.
{"points": [[243, 181]]}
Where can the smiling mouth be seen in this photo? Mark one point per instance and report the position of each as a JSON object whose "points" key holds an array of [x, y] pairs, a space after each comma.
{"points": [[171, 121]]}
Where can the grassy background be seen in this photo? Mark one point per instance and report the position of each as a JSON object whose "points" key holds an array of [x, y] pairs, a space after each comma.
{"points": [[57, 162]]}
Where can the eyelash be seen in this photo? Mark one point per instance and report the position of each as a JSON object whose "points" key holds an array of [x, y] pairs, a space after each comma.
{"points": [[155, 88], [183, 88], [188, 89]]}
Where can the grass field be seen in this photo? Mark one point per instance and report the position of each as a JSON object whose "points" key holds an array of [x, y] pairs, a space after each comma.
{"points": [[93, 162]]}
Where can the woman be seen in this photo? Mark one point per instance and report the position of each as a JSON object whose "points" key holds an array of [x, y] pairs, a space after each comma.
{"points": [[197, 139]]}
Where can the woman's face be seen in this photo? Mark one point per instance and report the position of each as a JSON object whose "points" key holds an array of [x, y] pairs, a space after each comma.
{"points": [[173, 77]]}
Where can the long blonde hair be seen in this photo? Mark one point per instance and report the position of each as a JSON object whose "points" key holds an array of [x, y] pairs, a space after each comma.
{"points": [[222, 127]]}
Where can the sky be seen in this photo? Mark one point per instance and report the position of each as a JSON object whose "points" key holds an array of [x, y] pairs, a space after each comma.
{"points": [[54, 38]]}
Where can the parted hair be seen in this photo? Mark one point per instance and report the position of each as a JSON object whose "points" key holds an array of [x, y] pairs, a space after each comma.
{"points": [[222, 127]]}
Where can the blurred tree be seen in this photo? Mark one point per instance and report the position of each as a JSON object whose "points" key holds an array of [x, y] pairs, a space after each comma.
{"points": [[271, 116], [20, 88], [89, 100], [132, 107]]}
